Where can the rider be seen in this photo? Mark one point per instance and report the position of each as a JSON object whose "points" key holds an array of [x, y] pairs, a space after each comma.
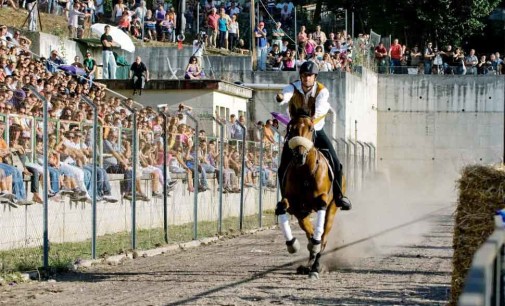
{"points": [[312, 97]]}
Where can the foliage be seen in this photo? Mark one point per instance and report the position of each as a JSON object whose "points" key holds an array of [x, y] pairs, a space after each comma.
{"points": [[416, 21]]}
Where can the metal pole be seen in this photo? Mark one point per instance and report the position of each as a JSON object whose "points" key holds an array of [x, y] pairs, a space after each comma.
{"points": [[253, 36], [296, 39], [346, 33], [221, 163], [352, 25], [362, 163], [278, 163], [198, 18], [45, 256], [242, 175], [195, 179], [94, 171], [262, 132], [165, 190], [134, 178]]}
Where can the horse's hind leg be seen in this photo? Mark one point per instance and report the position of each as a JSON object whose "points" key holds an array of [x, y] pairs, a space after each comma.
{"points": [[281, 211]]}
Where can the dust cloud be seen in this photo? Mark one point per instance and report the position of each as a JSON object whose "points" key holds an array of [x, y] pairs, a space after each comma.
{"points": [[391, 209]]}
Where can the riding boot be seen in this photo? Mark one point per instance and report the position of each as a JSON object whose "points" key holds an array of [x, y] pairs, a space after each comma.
{"points": [[340, 200]]}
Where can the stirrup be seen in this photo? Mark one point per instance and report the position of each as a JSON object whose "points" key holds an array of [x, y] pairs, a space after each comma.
{"points": [[344, 203]]}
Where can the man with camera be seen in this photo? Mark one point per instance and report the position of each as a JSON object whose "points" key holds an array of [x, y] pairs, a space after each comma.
{"points": [[199, 46]]}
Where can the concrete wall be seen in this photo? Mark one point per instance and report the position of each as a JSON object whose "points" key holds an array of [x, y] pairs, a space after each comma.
{"points": [[70, 221], [434, 125], [43, 44]]}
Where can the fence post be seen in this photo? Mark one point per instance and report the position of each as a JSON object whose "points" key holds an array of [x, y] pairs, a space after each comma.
{"points": [[278, 162], [374, 161], [242, 174], [94, 173], [346, 159], [221, 162], [362, 162], [165, 190], [45, 197], [260, 191], [195, 179]]}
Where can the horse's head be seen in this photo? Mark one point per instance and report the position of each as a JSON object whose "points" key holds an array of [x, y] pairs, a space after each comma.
{"points": [[301, 131]]}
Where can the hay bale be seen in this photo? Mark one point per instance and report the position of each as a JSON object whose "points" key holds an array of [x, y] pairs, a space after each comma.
{"points": [[481, 194]]}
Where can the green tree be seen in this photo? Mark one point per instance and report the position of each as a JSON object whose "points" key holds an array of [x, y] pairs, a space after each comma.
{"points": [[415, 21]]}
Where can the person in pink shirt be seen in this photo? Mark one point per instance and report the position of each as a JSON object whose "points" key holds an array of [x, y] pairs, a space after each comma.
{"points": [[212, 27]]}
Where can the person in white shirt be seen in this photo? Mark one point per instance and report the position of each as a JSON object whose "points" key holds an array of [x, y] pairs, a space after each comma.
{"points": [[311, 97], [73, 16]]}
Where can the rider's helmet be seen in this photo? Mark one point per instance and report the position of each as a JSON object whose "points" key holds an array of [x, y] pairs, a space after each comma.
{"points": [[309, 67]]}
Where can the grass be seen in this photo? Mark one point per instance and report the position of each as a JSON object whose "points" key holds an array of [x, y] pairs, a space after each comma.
{"points": [[63, 255], [52, 24]]}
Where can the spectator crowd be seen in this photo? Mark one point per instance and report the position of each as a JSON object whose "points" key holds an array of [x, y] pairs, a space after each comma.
{"points": [[26, 80]]}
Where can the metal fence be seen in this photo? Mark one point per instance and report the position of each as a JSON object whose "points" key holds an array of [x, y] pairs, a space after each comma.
{"points": [[484, 281], [63, 230]]}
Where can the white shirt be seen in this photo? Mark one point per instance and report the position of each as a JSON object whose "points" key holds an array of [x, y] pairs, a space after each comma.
{"points": [[198, 48], [73, 15], [322, 105]]}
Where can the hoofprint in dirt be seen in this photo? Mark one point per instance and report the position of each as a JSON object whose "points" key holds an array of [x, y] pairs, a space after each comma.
{"points": [[257, 270]]}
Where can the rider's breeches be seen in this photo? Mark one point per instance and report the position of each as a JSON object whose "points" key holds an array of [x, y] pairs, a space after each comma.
{"points": [[322, 142]]}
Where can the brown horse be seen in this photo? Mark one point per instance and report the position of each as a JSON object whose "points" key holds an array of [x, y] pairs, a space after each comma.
{"points": [[307, 188]]}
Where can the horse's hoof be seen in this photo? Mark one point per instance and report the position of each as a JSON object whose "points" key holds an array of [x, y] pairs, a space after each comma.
{"points": [[313, 275], [293, 246], [314, 248], [302, 270]]}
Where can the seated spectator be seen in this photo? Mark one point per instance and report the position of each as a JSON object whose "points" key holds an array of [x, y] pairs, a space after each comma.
{"points": [[118, 162], [275, 58], [150, 25], [124, 22], [139, 75], [288, 61], [53, 61], [193, 70]]}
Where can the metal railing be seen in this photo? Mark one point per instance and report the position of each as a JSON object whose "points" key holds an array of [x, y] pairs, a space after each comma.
{"points": [[484, 283]]}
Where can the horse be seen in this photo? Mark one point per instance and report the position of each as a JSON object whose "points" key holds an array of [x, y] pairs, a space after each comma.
{"points": [[307, 188]]}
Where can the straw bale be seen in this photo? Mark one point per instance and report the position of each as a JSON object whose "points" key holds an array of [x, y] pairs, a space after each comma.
{"points": [[481, 194]]}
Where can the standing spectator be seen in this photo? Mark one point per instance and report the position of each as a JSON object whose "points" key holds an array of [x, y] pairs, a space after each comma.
{"points": [[118, 11], [89, 67], [139, 75], [108, 60], [458, 61], [261, 42], [302, 38], [212, 27], [271, 6], [73, 16], [380, 57], [395, 55], [168, 28], [222, 24], [31, 6], [415, 57], [499, 64], [99, 11], [198, 47], [319, 36], [159, 14], [277, 35], [233, 32], [483, 65], [286, 14], [234, 10], [471, 62], [428, 58], [494, 63]]}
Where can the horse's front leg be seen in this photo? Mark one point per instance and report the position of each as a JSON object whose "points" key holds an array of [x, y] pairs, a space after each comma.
{"points": [[315, 238], [281, 211], [315, 266]]}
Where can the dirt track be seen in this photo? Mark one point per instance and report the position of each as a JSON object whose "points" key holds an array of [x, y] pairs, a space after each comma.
{"points": [[257, 270]]}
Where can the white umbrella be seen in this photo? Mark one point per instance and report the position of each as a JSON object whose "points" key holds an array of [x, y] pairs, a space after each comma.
{"points": [[118, 36]]}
